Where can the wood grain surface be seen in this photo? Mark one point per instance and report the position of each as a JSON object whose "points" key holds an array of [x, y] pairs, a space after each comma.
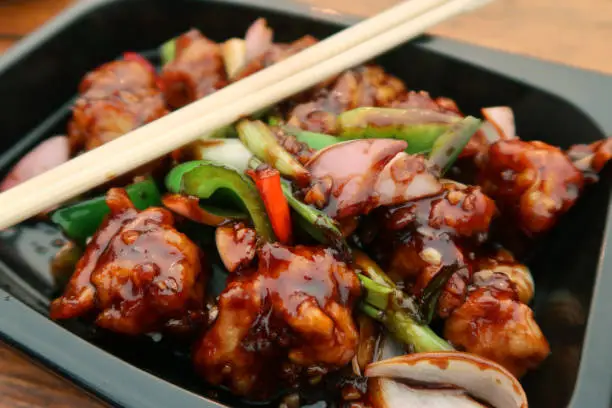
{"points": [[573, 32]]}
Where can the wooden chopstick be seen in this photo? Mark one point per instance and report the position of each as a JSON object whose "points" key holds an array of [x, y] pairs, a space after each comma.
{"points": [[242, 98]]}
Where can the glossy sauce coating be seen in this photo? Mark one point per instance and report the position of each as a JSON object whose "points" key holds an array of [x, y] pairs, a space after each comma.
{"points": [[421, 237], [493, 323], [288, 319], [196, 71], [236, 244], [503, 261], [297, 149], [137, 274], [116, 98], [532, 182], [378, 173]]}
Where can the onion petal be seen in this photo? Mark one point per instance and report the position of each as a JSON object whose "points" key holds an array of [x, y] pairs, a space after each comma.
{"points": [[387, 393], [47, 155], [258, 39], [479, 377], [502, 119]]}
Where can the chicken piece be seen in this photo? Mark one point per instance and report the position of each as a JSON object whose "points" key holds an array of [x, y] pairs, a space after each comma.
{"points": [[423, 100], [273, 53], [591, 159], [425, 237], [196, 71], [493, 323], [533, 182], [364, 86], [457, 211], [290, 316], [138, 273], [379, 173], [503, 262], [116, 98]]}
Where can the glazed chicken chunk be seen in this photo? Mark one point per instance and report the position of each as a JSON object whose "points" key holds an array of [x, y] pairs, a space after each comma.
{"points": [[427, 235], [116, 98], [364, 86], [138, 273], [288, 319], [493, 323], [533, 182], [196, 71]]}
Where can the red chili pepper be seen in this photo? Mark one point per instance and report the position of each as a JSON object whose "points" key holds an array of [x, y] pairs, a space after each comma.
{"points": [[268, 182]]}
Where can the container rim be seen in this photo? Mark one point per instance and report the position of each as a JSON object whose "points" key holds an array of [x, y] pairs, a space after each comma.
{"points": [[585, 90]]}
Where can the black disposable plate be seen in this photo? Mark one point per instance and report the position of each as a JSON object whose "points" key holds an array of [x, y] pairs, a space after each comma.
{"points": [[560, 105]]}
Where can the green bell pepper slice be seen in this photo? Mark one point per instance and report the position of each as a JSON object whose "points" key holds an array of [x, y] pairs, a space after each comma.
{"points": [[203, 178], [419, 127], [80, 221]]}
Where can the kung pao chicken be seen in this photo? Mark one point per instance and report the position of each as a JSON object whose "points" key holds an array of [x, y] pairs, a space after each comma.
{"points": [[354, 262]]}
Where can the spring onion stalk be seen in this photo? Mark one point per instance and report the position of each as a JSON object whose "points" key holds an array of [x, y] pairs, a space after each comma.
{"points": [[203, 178], [259, 139], [448, 146], [327, 230], [371, 269], [168, 51], [419, 127], [392, 308]]}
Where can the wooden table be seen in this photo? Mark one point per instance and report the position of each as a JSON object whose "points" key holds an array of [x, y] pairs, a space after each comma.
{"points": [[573, 32]]}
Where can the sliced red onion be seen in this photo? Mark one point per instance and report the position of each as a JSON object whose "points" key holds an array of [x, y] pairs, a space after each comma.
{"points": [[353, 167], [481, 378], [393, 190], [258, 39], [47, 155], [387, 393], [501, 119]]}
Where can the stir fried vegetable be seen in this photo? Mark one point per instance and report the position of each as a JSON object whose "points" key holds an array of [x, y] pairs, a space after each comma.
{"points": [[258, 138], [419, 127], [168, 51], [449, 145], [203, 179], [268, 183], [388, 305]]}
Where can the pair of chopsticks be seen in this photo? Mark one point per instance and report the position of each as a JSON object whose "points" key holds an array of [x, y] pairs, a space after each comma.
{"points": [[350, 47]]}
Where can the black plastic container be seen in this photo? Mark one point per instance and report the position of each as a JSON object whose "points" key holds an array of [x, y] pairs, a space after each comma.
{"points": [[560, 105]]}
